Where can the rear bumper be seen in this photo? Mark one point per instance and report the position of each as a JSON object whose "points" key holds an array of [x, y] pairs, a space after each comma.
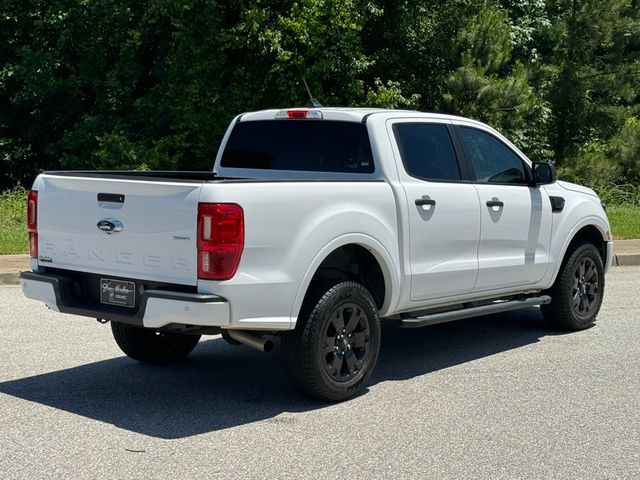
{"points": [[156, 308]]}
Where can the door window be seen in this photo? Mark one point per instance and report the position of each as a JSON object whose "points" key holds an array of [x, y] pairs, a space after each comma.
{"points": [[492, 160], [427, 151]]}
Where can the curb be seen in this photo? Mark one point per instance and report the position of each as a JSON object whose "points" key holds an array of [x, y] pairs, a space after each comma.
{"points": [[627, 260], [12, 278]]}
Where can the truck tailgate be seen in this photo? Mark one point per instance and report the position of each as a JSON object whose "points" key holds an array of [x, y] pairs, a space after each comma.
{"points": [[79, 219]]}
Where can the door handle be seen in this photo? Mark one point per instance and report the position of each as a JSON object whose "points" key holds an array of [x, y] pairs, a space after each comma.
{"points": [[495, 203], [425, 201]]}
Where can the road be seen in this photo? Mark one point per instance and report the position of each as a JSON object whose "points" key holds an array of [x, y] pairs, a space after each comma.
{"points": [[496, 397]]}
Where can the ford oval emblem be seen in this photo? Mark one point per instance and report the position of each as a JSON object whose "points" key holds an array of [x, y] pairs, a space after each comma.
{"points": [[110, 225]]}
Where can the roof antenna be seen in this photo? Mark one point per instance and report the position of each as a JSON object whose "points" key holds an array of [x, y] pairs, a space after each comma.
{"points": [[314, 102]]}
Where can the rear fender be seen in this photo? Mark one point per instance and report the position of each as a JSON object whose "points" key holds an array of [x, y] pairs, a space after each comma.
{"points": [[390, 270]]}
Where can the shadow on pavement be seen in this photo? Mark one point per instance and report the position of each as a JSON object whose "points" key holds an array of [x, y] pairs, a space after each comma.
{"points": [[220, 386]]}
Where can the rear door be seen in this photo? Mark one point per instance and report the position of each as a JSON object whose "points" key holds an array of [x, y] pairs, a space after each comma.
{"points": [[132, 228], [444, 214], [515, 216]]}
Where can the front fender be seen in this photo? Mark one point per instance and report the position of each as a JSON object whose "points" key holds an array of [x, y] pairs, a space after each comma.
{"points": [[579, 212]]}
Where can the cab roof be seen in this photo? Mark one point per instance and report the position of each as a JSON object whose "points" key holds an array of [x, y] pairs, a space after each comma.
{"points": [[346, 114]]}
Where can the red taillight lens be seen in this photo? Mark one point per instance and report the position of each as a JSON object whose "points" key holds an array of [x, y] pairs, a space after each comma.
{"points": [[220, 240], [297, 113], [32, 223]]}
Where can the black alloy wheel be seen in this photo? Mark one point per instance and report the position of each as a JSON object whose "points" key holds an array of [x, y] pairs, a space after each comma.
{"points": [[346, 341], [585, 292], [576, 295], [333, 350]]}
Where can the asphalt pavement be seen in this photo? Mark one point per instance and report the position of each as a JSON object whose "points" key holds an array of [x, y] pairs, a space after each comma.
{"points": [[500, 397]]}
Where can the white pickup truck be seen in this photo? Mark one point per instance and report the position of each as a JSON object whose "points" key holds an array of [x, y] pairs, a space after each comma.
{"points": [[316, 225]]}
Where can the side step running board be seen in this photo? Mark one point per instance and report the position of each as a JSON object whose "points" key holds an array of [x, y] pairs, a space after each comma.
{"points": [[474, 311]]}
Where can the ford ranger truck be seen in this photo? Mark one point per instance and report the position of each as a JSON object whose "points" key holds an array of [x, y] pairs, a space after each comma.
{"points": [[316, 225]]}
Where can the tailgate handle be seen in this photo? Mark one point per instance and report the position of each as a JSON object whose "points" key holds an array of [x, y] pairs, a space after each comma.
{"points": [[111, 197]]}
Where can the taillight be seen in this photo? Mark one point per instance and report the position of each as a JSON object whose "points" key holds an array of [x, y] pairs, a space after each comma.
{"points": [[32, 223], [220, 240]]}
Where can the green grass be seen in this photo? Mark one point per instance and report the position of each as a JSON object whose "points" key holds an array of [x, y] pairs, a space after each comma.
{"points": [[623, 194], [625, 221], [13, 222], [623, 207]]}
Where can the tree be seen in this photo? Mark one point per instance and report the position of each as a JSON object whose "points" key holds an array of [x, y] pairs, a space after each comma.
{"points": [[409, 45], [128, 84], [591, 56], [491, 85]]}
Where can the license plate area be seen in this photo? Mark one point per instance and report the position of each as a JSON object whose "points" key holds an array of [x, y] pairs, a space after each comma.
{"points": [[117, 292]]}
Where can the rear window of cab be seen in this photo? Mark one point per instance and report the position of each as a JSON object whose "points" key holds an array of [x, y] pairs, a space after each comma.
{"points": [[299, 145]]}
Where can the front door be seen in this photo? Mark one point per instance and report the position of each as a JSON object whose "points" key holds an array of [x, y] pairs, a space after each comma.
{"points": [[515, 216]]}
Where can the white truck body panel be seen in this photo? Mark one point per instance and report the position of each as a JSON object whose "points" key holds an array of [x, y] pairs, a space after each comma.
{"points": [[156, 243], [582, 208], [514, 242], [280, 247]]}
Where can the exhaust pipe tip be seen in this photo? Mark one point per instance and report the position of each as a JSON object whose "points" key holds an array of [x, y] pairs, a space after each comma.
{"points": [[251, 339]]}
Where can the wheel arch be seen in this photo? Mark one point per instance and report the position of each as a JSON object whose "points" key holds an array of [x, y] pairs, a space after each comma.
{"points": [[590, 231], [377, 270]]}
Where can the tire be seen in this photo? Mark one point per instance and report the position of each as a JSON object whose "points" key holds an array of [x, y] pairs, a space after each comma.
{"points": [[333, 350], [151, 346], [577, 294]]}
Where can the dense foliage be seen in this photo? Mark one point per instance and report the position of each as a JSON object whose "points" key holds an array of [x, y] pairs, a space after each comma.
{"points": [[154, 83]]}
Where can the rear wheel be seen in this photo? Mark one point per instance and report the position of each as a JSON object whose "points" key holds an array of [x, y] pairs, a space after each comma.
{"points": [[577, 295], [333, 350], [151, 346]]}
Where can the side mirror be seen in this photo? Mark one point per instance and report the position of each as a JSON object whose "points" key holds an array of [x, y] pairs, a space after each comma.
{"points": [[544, 173]]}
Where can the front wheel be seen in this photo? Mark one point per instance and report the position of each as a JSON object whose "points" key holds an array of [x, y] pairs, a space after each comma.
{"points": [[333, 350], [151, 346], [577, 294]]}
